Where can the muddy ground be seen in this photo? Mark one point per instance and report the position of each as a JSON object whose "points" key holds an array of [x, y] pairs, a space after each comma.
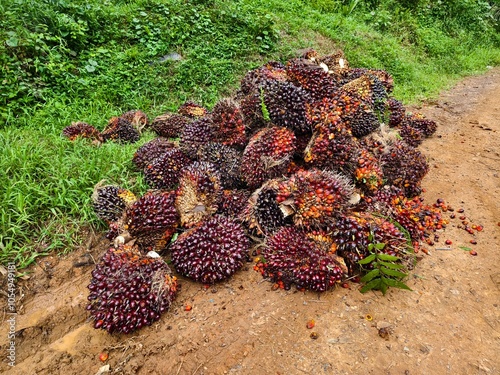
{"points": [[448, 324]]}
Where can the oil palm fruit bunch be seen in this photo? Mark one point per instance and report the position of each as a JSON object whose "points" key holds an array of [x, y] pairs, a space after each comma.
{"points": [[152, 220], [81, 130], [353, 232], [226, 160], [290, 257], [120, 130], [313, 78], [348, 75], [404, 167], [370, 90], [368, 174], [196, 134], [421, 123], [412, 136], [110, 201], [212, 251], [267, 155], [262, 213], [233, 202], [170, 125], [396, 111], [315, 197], [150, 151], [199, 193], [129, 290], [164, 171], [259, 77], [138, 119], [192, 109], [228, 122]]}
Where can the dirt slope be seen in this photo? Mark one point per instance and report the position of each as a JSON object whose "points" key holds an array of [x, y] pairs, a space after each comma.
{"points": [[449, 324]]}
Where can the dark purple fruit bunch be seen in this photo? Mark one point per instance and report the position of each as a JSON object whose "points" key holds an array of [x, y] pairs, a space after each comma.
{"points": [[259, 77], [195, 135], [290, 257], [199, 193], [314, 196], [262, 212], [226, 160], [120, 130], [110, 201], [129, 290], [164, 171], [396, 111], [152, 220], [307, 74], [150, 151], [233, 202], [353, 232], [138, 119], [81, 130], [412, 136], [170, 125], [192, 109], [267, 155], [228, 122], [404, 167], [212, 251], [419, 122]]}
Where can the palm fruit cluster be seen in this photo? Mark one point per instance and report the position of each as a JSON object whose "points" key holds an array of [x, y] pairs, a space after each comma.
{"points": [[129, 290], [110, 201], [170, 125], [164, 171], [120, 130], [368, 174], [267, 155], [196, 134], [314, 196], [81, 130], [228, 122], [152, 220], [226, 160], [312, 77], [192, 109], [138, 119], [199, 193], [290, 257], [212, 251], [233, 202], [150, 151]]}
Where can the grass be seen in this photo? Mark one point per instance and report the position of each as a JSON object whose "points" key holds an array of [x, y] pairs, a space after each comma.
{"points": [[65, 61]]}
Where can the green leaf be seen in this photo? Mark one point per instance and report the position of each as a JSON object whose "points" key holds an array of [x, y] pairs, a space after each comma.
{"points": [[379, 246], [387, 271], [370, 258], [392, 266], [374, 284], [387, 257], [12, 41], [370, 275], [383, 287]]}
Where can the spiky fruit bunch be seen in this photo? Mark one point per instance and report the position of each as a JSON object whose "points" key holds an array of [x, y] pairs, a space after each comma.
{"points": [[226, 160], [211, 252], [286, 104], [149, 151], [267, 155], [332, 146], [110, 201], [314, 196], [368, 173], [164, 171], [195, 135], [81, 130], [137, 119], [129, 290], [199, 193], [263, 213], [152, 220], [290, 257], [419, 122], [404, 167], [352, 233], [396, 111], [253, 108], [120, 130], [233, 202], [192, 109], [311, 77], [170, 125], [412, 136], [256, 78], [369, 89], [228, 122]]}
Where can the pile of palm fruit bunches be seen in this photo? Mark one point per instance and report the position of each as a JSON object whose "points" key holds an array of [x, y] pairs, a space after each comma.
{"points": [[308, 163]]}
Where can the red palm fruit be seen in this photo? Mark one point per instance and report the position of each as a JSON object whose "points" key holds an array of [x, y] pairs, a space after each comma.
{"points": [[267, 155], [170, 125], [368, 173], [120, 130], [418, 122], [256, 78], [212, 251], [233, 202], [150, 151], [164, 171], [81, 130], [193, 110], [311, 77], [195, 135], [199, 193], [228, 123]]}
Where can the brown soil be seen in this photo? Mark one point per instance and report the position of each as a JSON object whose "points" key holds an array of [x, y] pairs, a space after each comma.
{"points": [[448, 324]]}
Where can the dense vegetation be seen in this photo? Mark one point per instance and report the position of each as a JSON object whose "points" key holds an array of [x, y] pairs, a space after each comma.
{"points": [[63, 61]]}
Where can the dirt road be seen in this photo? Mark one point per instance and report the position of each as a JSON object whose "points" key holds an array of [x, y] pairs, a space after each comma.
{"points": [[448, 324]]}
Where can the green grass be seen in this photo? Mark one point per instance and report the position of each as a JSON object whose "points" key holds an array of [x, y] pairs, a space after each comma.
{"points": [[63, 61]]}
